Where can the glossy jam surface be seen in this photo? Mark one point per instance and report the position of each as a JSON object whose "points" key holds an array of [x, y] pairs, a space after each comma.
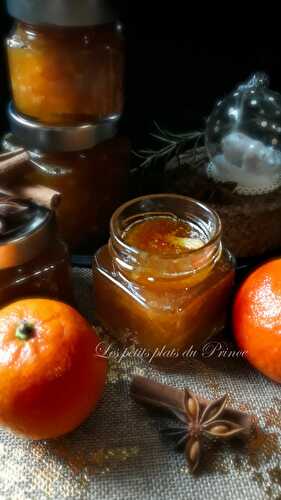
{"points": [[47, 275], [92, 184], [164, 236], [176, 312], [66, 75]]}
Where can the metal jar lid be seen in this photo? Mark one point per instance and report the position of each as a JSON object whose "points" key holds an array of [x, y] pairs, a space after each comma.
{"points": [[35, 136], [62, 12], [28, 238]]}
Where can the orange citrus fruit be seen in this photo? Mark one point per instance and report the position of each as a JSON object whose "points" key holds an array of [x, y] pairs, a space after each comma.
{"points": [[50, 374], [257, 319]]}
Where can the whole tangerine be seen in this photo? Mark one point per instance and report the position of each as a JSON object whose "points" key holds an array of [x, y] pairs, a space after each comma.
{"points": [[257, 319], [51, 376]]}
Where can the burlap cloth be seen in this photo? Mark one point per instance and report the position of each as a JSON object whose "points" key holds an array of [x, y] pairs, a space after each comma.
{"points": [[119, 452]]}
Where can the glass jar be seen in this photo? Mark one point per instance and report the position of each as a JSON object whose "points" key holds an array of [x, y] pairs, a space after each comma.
{"points": [[34, 261], [65, 74], [157, 299], [91, 176], [237, 172]]}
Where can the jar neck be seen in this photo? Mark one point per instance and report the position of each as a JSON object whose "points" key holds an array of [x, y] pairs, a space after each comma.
{"points": [[84, 35], [150, 268]]}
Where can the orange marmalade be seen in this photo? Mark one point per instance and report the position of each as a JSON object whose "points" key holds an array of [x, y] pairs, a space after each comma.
{"points": [[164, 280], [62, 75], [92, 183], [34, 261]]}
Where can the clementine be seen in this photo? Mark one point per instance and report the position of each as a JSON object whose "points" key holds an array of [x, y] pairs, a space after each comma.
{"points": [[50, 374], [257, 319]]}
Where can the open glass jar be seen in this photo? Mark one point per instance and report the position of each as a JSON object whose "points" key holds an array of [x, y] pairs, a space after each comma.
{"points": [[164, 279], [34, 261], [86, 165], [65, 74]]}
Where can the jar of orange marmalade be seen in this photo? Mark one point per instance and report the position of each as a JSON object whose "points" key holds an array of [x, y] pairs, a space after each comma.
{"points": [[34, 261], [164, 280], [86, 164], [65, 60]]}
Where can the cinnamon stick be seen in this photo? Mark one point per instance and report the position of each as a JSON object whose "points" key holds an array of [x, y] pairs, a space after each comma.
{"points": [[12, 160], [41, 195], [167, 398]]}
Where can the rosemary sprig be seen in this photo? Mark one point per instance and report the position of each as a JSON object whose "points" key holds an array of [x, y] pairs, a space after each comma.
{"points": [[171, 145]]}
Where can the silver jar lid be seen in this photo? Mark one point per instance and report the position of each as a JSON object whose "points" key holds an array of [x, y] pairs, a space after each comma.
{"points": [[28, 237], [62, 12], [35, 136]]}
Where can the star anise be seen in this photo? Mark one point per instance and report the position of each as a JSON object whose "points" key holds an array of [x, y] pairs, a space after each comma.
{"points": [[202, 422]]}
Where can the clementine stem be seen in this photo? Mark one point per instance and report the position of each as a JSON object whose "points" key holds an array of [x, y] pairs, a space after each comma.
{"points": [[24, 331]]}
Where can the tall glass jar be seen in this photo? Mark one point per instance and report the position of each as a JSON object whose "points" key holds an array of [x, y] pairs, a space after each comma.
{"points": [[66, 75], [154, 297], [34, 261], [86, 165]]}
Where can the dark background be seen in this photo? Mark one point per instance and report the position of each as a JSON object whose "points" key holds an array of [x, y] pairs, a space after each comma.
{"points": [[176, 70]]}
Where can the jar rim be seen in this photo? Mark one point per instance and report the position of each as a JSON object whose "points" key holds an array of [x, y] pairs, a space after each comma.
{"points": [[30, 242], [115, 229], [65, 138]]}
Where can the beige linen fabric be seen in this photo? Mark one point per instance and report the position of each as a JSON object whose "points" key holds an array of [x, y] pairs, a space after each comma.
{"points": [[120, 454]]}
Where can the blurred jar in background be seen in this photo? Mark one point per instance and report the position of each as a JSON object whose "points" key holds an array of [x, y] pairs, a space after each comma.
{"points": [[87, 164], [66, 63]]}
